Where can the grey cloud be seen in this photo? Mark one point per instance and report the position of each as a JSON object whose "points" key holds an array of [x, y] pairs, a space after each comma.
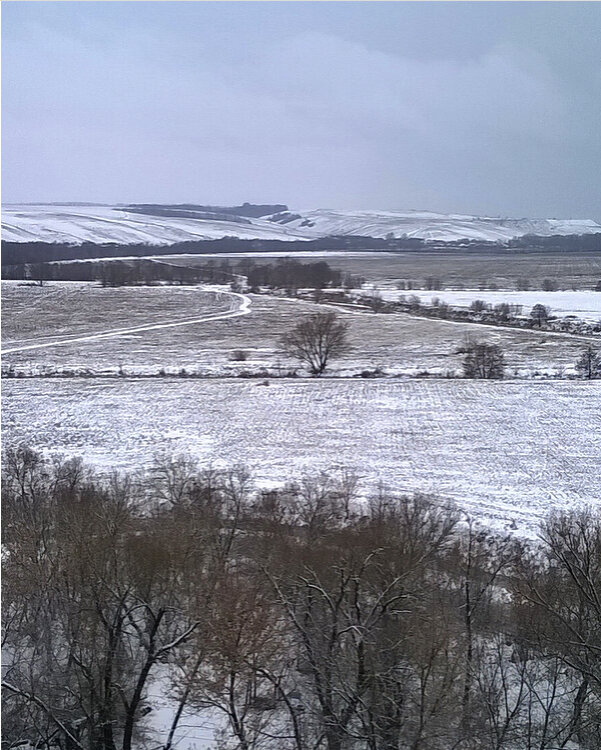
{"points": [[309, 116]]}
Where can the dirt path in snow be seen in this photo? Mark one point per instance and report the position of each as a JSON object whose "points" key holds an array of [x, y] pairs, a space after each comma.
{"points": [[243, 308]]}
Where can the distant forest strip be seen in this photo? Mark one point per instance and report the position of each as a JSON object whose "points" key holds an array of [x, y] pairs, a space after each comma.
{"points": [[286, 273], [14, 253]]}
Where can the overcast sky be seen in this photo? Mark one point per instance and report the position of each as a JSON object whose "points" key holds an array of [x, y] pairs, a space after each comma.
{"points": [[486, 108]]}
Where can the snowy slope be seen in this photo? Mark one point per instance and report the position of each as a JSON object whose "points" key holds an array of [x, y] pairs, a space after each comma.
{"points": [[77, 223], [432, 226], [94, 223]]}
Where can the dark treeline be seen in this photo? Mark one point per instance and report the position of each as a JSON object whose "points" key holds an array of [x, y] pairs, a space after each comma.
{"points": [[285, 273], [290, 274], [558, 242], [196, 211], [121, 273], [14, 253], [297, 618]]}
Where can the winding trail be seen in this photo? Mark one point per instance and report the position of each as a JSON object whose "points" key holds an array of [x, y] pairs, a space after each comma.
{"points": [[234, 312]]}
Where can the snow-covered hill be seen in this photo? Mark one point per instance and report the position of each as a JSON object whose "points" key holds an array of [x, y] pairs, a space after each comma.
{"points": [[99, 224], [431, 226], [77, 223]]}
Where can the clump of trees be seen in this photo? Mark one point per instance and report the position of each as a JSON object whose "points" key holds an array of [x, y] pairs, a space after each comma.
{"points": [[432, 283], [299, 617], [316, 340], [484, 361], [588, 365], [291, 275], [539, 315], [353, 281]]}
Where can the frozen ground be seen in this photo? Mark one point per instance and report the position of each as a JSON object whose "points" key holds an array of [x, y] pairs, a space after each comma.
{"points": [[32, 314], [196, 730], [235, 305], [186, 327], [504, 451], [585, 305], [102, 223]]}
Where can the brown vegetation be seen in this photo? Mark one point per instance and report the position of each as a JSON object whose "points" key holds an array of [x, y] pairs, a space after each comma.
{"points": [[303, 616]]}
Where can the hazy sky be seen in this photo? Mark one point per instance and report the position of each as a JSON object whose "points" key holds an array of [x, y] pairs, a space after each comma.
{"points": [[490, 108]]}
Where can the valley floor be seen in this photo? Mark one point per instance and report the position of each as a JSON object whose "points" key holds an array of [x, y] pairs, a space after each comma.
{"points": [[201, 330], [509, 452]]}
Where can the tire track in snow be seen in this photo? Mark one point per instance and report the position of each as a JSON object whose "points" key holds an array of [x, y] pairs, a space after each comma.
{"points": [[242, 309]]}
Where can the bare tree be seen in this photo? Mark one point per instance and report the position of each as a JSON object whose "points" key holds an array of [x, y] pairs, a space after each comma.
{"points": [[40, 272], [484, 361], [316, 340], [564, 591], [478, 305], [539, 315], [306, 620], [588, 365]]}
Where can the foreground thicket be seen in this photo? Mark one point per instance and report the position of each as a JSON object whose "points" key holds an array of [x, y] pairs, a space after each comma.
{"points": [[300, 617]]}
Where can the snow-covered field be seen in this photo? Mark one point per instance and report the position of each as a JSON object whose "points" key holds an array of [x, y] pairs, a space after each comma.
{"points": [[504, 451], [154, 328], [507, 451], [585, 305], [101, 223], [34, 317]]}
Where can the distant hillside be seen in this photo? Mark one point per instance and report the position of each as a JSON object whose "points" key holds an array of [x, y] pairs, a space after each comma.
{"points": [[168, 224], [429, 226]]}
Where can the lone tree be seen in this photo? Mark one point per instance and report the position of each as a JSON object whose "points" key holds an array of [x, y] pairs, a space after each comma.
{"points": [[316, 340], [589, 364], [484, 361], [539, 315]]}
